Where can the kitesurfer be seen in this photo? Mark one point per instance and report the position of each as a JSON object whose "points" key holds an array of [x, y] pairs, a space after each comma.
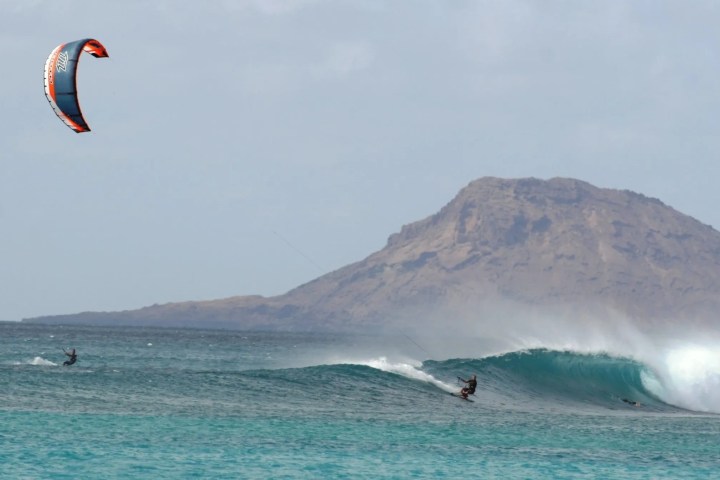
{"points": [[469, 388], [73, 357]]}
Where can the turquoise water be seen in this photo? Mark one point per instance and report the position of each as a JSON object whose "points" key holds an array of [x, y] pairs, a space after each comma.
{"points": [[161, 403]]}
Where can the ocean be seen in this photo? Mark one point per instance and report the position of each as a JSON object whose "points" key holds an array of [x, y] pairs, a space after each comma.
{"points": [[151, 403]]}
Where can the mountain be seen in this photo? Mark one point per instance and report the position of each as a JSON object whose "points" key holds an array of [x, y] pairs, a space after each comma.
{"points": [[558, 244]]}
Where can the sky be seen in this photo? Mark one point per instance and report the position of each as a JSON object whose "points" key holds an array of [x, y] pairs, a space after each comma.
{"points": [[247, 147]]}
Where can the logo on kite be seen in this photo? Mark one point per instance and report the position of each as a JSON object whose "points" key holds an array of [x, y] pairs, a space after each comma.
{"points": [[60, 80], [62, 62]]}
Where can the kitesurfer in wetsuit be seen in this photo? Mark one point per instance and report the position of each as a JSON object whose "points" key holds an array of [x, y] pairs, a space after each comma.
{"points": [[470, 386], [72, 355]]}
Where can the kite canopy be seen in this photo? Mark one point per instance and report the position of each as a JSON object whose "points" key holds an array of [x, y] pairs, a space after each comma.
{"points": [[60, 80]]}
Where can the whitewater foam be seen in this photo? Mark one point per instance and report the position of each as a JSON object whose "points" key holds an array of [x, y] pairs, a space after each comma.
{"points": [[405, 369], [690, 378], [41, 361]]}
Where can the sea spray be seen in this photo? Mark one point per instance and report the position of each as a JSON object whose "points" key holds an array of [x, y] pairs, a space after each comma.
{"points": [[41, 361], [680, 364], [689, 377]]}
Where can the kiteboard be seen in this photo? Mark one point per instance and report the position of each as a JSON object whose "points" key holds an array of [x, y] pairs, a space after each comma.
{"points": [[461, 397]]}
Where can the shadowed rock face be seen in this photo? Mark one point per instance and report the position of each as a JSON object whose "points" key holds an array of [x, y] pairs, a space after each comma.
{"points": [[556, 243]]}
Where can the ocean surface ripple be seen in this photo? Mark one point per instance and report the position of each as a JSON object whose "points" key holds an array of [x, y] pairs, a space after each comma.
{"points": [[174, 403]]}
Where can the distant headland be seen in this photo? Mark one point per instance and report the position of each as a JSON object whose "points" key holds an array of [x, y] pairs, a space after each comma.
{"points": [[541, 244]]}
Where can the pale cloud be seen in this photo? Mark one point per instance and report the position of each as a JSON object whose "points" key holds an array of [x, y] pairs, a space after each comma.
{"points": [[20, 5], [340, 61], [268, 78], [345, 59], [270, 7], [491, 31]]}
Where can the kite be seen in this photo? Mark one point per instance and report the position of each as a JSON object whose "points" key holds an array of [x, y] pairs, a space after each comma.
{"points": [[60, 82]]}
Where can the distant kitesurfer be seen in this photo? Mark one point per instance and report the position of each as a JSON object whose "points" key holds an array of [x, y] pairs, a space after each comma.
{"points": [[72, 355], [469, 388]]}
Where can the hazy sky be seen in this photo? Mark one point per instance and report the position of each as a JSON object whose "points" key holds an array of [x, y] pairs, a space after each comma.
{"points": [[247, 147]]}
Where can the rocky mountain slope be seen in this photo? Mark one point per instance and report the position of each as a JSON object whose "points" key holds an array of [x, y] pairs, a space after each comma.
{"points": [[559, 243]]}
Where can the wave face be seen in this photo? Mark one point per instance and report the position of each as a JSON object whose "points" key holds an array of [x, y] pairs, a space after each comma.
{"points": [[559, 377], [530, 380]]}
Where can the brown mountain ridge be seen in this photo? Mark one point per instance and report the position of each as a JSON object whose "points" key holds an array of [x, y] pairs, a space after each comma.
{"points": [[558, 243]]}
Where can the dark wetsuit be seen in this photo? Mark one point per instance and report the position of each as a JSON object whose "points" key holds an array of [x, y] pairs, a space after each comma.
{"points": [[472, 385], [73, 358], [470, 388]]}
